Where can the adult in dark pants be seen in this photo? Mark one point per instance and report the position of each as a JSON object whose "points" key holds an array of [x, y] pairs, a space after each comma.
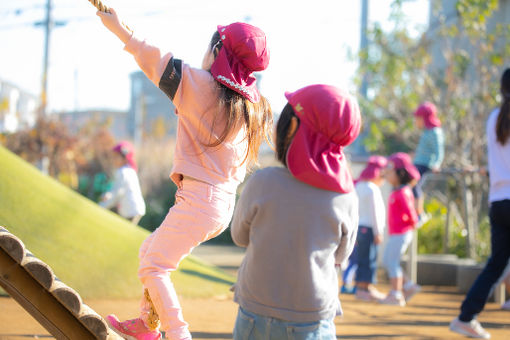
{"points": [[498, 147]]}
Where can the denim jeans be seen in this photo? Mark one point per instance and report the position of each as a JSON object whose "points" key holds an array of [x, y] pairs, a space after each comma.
{"points": [[417, 189], [483, 286], [366, 255], [395, 248], [251, 326]]}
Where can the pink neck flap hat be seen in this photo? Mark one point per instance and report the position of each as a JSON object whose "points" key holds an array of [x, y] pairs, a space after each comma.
{"points": [[428, 112], [244, 51], [329, 120], [127, 150], [402, 160], [373, 168]]}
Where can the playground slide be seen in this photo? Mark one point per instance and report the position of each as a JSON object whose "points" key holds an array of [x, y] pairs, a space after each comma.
{"points": [[57, 307]]}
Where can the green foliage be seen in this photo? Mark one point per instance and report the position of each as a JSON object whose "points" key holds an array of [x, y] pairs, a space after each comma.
{"points": [[474, 13], [395, 66], [158, 202], [456, 64], [89, 248], [431, 236]]}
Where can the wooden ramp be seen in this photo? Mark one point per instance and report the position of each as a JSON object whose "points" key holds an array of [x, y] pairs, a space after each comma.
{"points": [[57, 307]]}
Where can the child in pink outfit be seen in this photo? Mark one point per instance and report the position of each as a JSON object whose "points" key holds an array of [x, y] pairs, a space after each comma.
{"points": [[402, 219], [222, 120]]}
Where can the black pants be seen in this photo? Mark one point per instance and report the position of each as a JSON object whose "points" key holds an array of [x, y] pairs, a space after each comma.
{"points": [[479, 293]]}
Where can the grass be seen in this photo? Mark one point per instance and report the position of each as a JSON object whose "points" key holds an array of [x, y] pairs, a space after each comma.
{"points": [[89, 248]]}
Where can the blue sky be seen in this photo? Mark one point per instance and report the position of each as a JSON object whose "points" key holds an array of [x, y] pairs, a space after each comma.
{"points": [[310, 42]]}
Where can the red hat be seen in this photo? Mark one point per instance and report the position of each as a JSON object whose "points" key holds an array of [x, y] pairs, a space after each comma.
{"points": [[329, 120], [402, 160], [373, 168], [127, 150], [244, 51], [428, 111]]}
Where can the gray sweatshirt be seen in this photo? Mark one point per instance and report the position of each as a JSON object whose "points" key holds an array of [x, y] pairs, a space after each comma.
{"points": [[294, 234]]}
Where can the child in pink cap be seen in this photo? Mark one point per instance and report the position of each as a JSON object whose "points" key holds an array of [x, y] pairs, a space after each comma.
{"points": [[429, 153], [402, 219], [372, 222], [298, 221], [126, 193], [222, 121]]}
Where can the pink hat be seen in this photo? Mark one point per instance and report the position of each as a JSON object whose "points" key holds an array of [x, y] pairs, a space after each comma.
{"points": [[244, 51], [428, 112], [402, 160], [127, 150], [373, 168], [329, 120]]}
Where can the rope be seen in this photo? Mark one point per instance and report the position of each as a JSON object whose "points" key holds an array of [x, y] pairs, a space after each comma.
{"points": [[100, 6], [103, 8]]}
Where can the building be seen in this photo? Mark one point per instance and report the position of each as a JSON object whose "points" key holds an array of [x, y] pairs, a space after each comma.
{"points": [[151, 112], [114, 121], [18, 108]]}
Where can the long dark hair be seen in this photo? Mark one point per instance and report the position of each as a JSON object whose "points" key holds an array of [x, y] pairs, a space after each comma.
{"points": [[257, 118], [503, 122], [282, 131]]}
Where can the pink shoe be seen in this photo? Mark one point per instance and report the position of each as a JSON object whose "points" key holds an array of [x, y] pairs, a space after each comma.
{"points": [[133, 329]]}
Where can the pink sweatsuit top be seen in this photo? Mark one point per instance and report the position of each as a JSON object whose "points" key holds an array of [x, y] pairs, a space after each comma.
{"points": [[194, 93], [402, 215]]}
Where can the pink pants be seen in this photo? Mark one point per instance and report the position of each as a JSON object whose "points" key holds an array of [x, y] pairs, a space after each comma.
{"points": [[201, 212]]}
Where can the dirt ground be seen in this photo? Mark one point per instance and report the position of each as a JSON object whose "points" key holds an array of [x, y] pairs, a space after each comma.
{"points": [[426, 317]]}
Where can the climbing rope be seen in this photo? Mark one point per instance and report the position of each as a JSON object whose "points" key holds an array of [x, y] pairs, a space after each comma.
{"points": [[153, 318], [103, 8], [100, 6]]}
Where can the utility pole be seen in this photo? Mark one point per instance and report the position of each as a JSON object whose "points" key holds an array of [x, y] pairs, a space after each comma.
{"points": [[48, 24], [364, 41], [44, 87]]}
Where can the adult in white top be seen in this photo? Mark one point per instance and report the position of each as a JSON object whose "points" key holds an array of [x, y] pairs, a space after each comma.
{"points": [[126, 194], [498, 147]]}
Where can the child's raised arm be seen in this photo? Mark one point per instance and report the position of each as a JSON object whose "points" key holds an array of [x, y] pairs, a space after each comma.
{"points": [[112, 22]]}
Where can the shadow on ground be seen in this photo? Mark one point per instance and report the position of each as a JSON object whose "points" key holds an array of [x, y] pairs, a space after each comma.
{"points": [[208, 335]]}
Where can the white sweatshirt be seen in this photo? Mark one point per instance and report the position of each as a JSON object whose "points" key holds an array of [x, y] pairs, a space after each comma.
{"points": [[499, 162], [372, 212], [125, 194]]}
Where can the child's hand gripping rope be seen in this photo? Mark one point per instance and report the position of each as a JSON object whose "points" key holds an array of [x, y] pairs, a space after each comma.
{"points": [[100, 6], [110, 20]]}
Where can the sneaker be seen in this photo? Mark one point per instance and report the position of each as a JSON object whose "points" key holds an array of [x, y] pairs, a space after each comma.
{"points": [[348, 289], [411, 291], [376, 293], [472, 329], [506, 305], [422, 219], [369, 295], [393, 300], [133, 329]]}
